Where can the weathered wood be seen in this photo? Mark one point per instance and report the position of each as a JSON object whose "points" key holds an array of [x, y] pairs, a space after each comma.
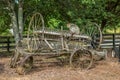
{"points": [[108, 40], [24, 52], [98, 55], [61, 33]]}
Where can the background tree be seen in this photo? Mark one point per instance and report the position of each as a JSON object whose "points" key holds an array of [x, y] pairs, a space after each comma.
{"points": [[58, 12], [15, 12]]}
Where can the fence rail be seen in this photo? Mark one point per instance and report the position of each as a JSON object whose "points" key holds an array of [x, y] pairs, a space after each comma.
{"points": [[109, 41], [7, 43]]}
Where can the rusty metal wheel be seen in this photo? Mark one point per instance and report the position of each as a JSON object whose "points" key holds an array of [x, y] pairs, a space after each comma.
{"points": [[93, 30], [33, 38], [24, 67], [82, 59]]}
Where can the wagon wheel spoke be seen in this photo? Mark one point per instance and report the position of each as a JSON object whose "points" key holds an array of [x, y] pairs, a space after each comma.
{"points": [[81, 59], [93, 30], [24, 67], [85, 59], [36, 24]]}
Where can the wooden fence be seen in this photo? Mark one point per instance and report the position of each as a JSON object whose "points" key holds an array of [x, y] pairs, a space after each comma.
{"points": [[109, 41], [7, 43]]}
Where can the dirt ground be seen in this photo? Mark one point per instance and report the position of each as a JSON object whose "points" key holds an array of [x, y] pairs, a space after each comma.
{"points": [[103, 70]]}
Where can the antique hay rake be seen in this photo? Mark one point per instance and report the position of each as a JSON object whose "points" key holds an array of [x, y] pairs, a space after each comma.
{"points": [[44, 41]]}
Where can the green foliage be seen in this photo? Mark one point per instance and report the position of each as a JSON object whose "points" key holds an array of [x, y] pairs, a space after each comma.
{"points": [[53, 23], [57, 13], [88, 1], [4, 23]]}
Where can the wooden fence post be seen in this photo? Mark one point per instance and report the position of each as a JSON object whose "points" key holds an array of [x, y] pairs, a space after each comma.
{"points": [[113, 41], [119, 53], [8, 44]]}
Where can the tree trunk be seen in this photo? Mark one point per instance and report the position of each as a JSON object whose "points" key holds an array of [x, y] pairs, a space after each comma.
{"points": [[103, 24], [20, 19], [14, 20], [15, 28]]}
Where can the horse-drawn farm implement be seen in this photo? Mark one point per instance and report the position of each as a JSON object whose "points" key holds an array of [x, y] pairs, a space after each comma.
{"points": [[40, 40]]}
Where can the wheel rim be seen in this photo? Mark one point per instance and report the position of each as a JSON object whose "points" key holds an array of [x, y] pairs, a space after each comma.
{"points": [[81, 59], [22, 69], [36, 24], [93, 30]]}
